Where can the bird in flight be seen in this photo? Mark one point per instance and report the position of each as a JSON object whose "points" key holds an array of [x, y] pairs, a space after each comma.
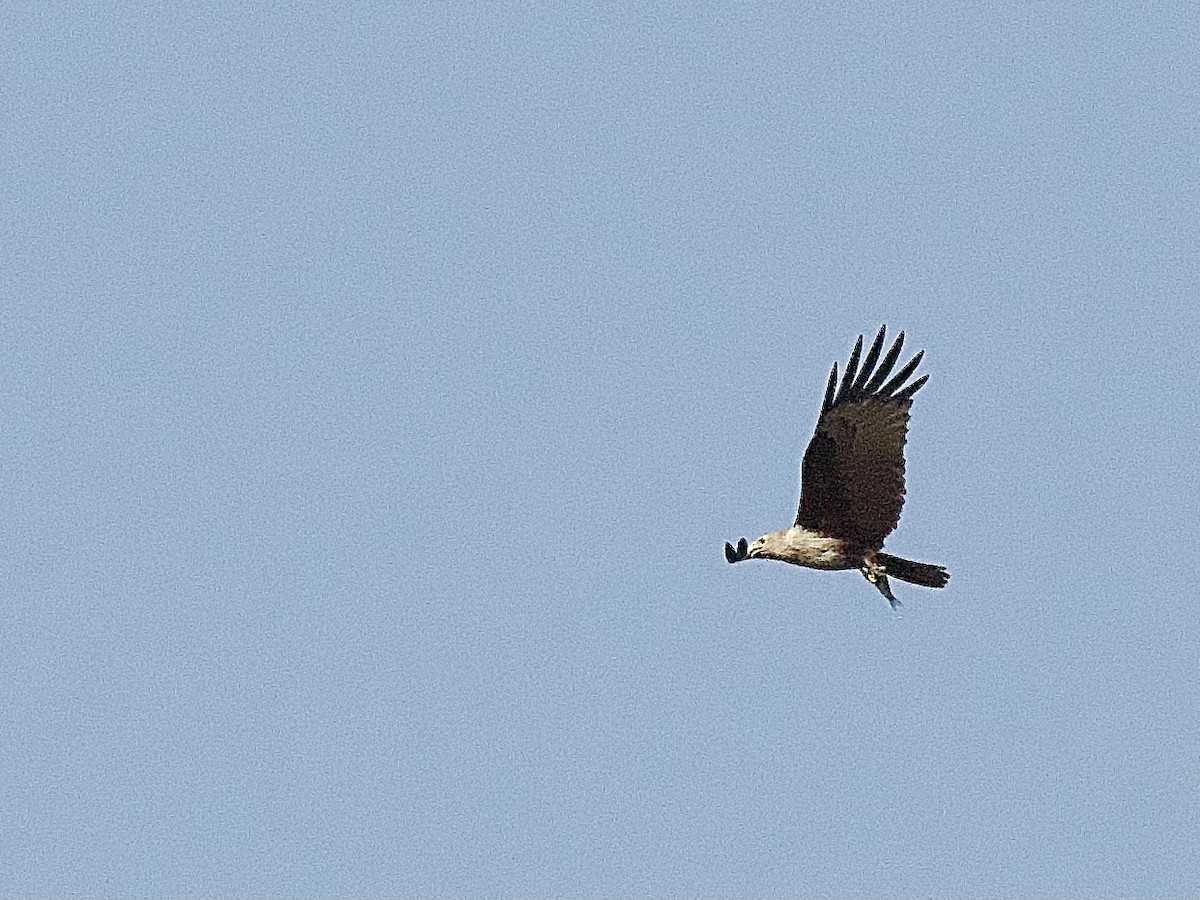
{"points": [[852, 477]]}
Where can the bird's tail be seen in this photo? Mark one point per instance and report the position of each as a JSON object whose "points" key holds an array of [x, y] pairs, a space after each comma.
{"points": [[924, 574]]}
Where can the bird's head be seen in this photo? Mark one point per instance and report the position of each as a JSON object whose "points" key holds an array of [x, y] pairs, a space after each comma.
{"points": [[766, 547], [769, 546]]}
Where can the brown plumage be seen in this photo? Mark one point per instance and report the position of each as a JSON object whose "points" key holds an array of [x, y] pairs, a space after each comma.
{"points": [[852, 477]]}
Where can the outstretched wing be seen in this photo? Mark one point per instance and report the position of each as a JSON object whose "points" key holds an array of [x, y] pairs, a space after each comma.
{"points": [[852, 478]]}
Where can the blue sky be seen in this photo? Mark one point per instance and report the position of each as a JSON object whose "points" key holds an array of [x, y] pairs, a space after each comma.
{"points": [[380, 383]]}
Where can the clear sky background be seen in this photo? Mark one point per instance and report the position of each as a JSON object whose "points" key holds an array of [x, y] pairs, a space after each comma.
{"points": [[380, 383]]}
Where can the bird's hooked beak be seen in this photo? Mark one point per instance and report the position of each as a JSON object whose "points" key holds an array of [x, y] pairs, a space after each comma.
{"points": [[738, 553]]}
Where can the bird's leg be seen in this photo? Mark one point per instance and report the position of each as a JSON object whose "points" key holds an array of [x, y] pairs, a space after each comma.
{"points": [[877, 575]]}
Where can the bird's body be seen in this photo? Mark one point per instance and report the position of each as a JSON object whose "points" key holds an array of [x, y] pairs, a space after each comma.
{"points": [[852, 478], [801, 547]]}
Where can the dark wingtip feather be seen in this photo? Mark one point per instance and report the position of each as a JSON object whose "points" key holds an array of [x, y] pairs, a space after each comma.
{"points": [[851, 370], [907, 393], [829, 388], [901, 376], [869, 363], [869, 380], [885, 367]]}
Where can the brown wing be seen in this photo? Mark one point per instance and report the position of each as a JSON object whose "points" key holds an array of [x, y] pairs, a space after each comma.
{"points": [[852, 478]]}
